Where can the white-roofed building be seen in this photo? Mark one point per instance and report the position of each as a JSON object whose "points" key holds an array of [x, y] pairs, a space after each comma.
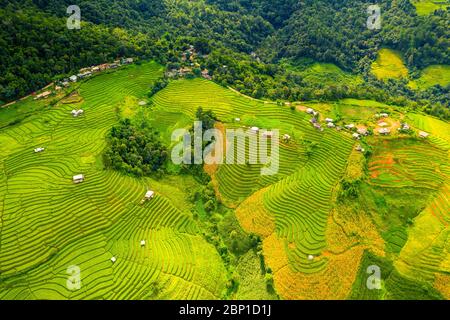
{"points": [[37, 150], [349, 126], [254, 129], [384, 131], [362, 131], [149, 195], [77, 113], [78, 178], [423, 134]]}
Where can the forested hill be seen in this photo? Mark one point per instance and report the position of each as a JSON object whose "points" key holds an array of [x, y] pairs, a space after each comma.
{"points": [[335, 31], [36, 45]]}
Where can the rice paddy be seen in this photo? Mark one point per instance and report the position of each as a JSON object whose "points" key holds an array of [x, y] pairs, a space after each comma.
{"points": [[389, 65], [49, 223], [426, 7], [317, 246], [432, 76]]}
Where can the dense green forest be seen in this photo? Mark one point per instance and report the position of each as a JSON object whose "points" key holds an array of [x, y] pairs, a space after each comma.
{"points": [[135, 149], [242, 43]]}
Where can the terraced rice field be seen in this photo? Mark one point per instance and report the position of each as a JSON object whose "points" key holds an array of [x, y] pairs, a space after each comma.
{"points": [[432, 76], [298, 198], [48, 223], [405, 163], [316, 246], [324, 74], [426, 7], [389, 65]]}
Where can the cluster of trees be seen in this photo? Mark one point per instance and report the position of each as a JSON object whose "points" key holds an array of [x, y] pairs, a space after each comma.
{"points": [[208, 120], [206, 193], [349, 189], [159, 85], [135, 150]]}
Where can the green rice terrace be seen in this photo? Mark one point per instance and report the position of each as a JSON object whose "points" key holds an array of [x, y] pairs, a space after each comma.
{"points": [[372, 188]]}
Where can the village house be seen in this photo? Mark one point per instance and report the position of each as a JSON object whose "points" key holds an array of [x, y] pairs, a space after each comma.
{"points": [[103, 66], [359, 148], [185, 70], [84, 74], [384, 131], [423, 134], [142, 243], [382, 115], [310, 111], [44, 94], [38, 150], [149, 195], [328, 120], [95, 69], [356, 136], [254, 129], [349, 126], [73, 78], [286, 137], [77, 113], [363, 131], [383, 124], [113, 259], [78, 178], [330, 125], [127, 61], [237, 119], [318, 127], [205, 74], [404, 127]]}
